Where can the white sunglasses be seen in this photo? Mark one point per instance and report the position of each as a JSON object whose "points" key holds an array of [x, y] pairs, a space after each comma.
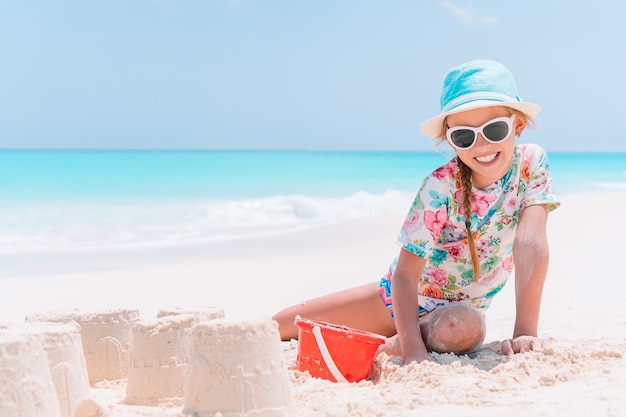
{"points": [[494, 131]]}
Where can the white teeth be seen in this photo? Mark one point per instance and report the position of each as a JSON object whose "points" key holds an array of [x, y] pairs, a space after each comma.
{"points": [[486, 158]]}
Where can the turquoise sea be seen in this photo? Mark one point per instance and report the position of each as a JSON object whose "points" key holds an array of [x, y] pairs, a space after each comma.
{"points": [[84, 200]]}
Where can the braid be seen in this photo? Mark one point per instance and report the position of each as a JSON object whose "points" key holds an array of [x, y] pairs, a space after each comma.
{"points": [[465, 176]]}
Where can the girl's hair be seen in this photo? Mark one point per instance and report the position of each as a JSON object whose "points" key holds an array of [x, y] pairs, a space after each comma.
{"points": [[465, 178]]}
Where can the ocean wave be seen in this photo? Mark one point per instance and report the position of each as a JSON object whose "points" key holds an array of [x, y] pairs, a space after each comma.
{"points": [[72, 226]]}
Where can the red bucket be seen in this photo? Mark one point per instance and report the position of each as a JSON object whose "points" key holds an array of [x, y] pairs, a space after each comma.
{"points": [[336, 353]]}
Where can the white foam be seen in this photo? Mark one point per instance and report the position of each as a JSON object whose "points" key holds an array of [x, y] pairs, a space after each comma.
{"points": [[81, 226]]}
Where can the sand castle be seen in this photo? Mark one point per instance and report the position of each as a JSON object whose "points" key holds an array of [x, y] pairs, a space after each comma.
{"points": [[194, 358], [26, 387], [159, 361], [42, 370], [205, 313], [161, 353], [237, 369], [65, 359], [106, 337]]}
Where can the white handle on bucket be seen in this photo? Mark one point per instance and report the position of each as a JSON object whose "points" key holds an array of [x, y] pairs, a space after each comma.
{"points": [[330, 363]]}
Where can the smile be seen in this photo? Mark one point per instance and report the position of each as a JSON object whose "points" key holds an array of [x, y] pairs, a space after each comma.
{"points": [[487, 158]]}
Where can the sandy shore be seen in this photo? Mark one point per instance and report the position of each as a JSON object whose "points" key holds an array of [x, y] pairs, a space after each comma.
{"points": [[582, 373]]}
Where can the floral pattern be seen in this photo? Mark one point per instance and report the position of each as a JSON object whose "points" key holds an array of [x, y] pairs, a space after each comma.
{"points": [[435, 229]]}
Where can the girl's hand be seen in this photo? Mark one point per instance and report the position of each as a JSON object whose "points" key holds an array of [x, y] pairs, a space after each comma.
{"points": [[392, 348], [522, 344]]}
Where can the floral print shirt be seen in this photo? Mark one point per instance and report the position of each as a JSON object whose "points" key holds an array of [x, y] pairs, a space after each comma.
{"points": [[434, 229]]}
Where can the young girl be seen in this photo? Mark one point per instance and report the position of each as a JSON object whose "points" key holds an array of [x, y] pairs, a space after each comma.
{"points": [[470, 219]]}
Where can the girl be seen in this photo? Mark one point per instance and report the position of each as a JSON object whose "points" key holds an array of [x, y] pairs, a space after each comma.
{"points": [[470, 219]]}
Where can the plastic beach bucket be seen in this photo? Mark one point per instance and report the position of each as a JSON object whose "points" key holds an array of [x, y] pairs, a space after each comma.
{"points": [[333, 352]]}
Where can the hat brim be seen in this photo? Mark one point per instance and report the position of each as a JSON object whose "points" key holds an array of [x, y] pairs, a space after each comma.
{"points": [[433, 127]]}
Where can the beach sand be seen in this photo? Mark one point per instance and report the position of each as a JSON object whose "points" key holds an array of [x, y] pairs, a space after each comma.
{"points": [[582, 371]]}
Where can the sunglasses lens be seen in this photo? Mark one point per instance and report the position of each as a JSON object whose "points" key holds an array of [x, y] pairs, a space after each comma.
{"points": [[462, 138], [496, 132]]}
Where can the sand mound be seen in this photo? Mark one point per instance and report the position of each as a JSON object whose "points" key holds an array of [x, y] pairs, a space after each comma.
{"points": [[159, 361], [26, 387], [106, 337], [237, 369]]}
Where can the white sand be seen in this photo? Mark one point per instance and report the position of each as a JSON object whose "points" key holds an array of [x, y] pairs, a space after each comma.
{"points": [[583, 314]]}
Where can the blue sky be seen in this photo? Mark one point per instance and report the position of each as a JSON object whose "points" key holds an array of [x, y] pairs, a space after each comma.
{"points": [[322, 74]]}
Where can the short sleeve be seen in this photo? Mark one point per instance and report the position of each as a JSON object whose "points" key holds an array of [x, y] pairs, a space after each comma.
{"points": [[426, 218], [536, 171]]}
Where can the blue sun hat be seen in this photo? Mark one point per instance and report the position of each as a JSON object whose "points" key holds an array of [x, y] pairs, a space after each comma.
{"points": [[476, 84]]}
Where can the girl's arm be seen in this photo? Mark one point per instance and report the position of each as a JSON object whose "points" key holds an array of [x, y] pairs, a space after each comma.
{"points": [[404, 289], [531, 254]]}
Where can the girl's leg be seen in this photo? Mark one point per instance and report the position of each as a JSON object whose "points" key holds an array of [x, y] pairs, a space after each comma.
{"points": [[455, 328], [360, 308]]}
